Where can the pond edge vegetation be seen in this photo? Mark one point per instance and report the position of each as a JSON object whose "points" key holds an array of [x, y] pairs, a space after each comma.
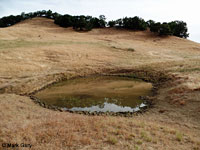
{"points": [[87, 23]]}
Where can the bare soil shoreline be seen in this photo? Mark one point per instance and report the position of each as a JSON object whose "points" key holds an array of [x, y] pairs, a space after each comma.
{"points": [[156, 78]]}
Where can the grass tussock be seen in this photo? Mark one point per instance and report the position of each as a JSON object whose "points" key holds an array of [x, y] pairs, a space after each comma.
{"points": [[124, 49]]}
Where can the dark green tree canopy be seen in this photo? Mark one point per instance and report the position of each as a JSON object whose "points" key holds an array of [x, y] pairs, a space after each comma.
{"points": [[102, 21], [165, 29], [179, 28], [111, 23], [150, 23], [82, 23], [155, 27], [86, 23], [176, 28], [134, 23], [64, 21]]}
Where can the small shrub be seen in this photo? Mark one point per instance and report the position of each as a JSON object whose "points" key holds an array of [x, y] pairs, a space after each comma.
{"points": [[131, 49], [139, 142], [145, 136], [179, 136], [112, 140], [136, 147]]}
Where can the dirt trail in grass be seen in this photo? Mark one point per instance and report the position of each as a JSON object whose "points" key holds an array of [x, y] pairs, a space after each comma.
{"points": [[36, 53]]}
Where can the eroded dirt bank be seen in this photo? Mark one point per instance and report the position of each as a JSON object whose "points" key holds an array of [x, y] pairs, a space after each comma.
{"points": [[36, 53]]}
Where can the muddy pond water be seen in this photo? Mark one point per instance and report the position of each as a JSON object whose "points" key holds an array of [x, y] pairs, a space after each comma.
{"points": [[97, 94]]}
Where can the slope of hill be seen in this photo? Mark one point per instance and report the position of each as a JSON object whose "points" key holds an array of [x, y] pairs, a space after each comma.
{"points": [[36, 52]]}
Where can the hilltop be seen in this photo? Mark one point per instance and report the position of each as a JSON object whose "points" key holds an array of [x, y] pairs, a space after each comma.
{"points": [[87, 23], [36, 52]]}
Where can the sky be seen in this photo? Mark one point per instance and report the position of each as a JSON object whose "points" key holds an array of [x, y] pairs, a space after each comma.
{"points": [[157, 10]]}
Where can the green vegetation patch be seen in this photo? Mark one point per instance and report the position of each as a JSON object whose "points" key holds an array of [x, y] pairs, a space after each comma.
{"points": [[9, 44], [189, 69], [112, 140], [179, 136]]}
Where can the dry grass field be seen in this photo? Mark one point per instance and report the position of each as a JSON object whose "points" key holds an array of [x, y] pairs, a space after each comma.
{"points": [[36, 52]]}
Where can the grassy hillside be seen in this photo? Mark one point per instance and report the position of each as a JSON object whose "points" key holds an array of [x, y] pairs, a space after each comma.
{"points": [[36, 52]]}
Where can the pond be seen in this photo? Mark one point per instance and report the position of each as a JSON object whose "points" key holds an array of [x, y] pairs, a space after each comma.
{"points": [[97, 94]]}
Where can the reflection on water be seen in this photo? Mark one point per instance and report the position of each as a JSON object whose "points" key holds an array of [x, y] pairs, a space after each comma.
{"points": [[107, 107], [100, 94]]}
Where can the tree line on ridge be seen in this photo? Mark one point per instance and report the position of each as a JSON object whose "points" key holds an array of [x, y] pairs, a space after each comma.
{"points": [[87, 23]]}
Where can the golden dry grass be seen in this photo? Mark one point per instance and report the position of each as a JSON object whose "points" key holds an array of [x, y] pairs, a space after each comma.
{"points": [[36, 52]]}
